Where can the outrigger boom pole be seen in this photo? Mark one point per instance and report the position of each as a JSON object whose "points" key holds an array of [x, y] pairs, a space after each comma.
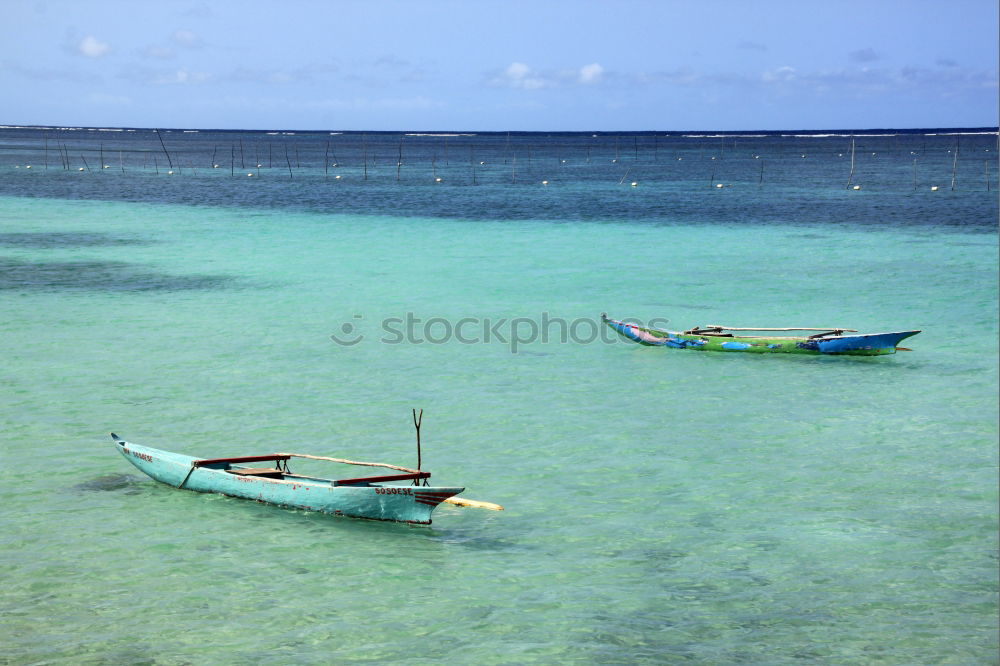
{"points": [[416, 423]]}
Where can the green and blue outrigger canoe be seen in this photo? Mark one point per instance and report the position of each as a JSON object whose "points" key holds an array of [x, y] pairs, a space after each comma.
{"points": [[722, 338], [365, 497]]}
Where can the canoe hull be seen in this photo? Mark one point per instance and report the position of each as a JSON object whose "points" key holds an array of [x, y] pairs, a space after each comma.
{"points": [[870, 344], [407, 504]]}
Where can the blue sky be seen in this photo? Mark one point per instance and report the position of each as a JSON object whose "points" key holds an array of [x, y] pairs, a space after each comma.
{"points": [[490, 65]]}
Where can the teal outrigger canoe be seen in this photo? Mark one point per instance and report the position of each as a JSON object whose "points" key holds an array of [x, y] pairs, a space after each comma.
{"points": [[722, 338], [365, 497]]}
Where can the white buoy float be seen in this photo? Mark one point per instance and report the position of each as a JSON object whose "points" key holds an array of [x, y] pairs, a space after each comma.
{"points": [[934, 188], [856, 187], [545, 182], [438, 179], [719, 185], [635, 184]]}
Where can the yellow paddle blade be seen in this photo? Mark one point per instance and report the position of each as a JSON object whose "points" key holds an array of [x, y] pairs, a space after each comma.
{"points": [[458, 501]]}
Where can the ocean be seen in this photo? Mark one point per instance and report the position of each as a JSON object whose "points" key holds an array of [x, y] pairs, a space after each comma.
{"points": [[222, 293]]}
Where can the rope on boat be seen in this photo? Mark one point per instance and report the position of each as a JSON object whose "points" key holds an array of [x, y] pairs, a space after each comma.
{"points": [[350, 462], [732, 328]]}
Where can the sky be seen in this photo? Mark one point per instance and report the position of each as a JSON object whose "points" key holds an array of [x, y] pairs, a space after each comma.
{"points": [[491, 65]]}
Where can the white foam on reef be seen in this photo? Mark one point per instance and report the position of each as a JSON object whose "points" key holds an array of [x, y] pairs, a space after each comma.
{"points": [[436, 134], [962, 134], [721, 136], [191, 131], [825, 136], [830, 136]]}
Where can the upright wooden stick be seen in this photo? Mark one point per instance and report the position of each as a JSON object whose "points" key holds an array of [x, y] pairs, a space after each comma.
{"points": [[416, 422], [163, 145], [399, 158], [851, 176], [954, 167]]}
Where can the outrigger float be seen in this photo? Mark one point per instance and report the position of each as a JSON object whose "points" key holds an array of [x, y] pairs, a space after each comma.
{"points": [[723, 338], [362, 497]]}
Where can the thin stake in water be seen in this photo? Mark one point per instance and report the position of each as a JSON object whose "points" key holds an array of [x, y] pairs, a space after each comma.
{"points": [[954, 166], [850, 177], [164, 146]]}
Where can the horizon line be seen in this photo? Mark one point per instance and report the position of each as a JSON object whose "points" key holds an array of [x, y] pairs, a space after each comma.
{"points": [[457, 132]]}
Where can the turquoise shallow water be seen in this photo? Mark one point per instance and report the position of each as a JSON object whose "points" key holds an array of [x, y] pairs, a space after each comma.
{"points": [[662, 506]]}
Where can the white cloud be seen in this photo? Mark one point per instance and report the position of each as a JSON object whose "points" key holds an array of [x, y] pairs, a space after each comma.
{"points": [[523, 77], [591, 73], [180, 77], [90, 47], [780, 75], [519, 75]]}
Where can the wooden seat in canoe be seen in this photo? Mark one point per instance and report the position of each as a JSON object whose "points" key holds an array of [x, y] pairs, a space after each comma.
{"points": [[367, 480], [257, 471]]}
